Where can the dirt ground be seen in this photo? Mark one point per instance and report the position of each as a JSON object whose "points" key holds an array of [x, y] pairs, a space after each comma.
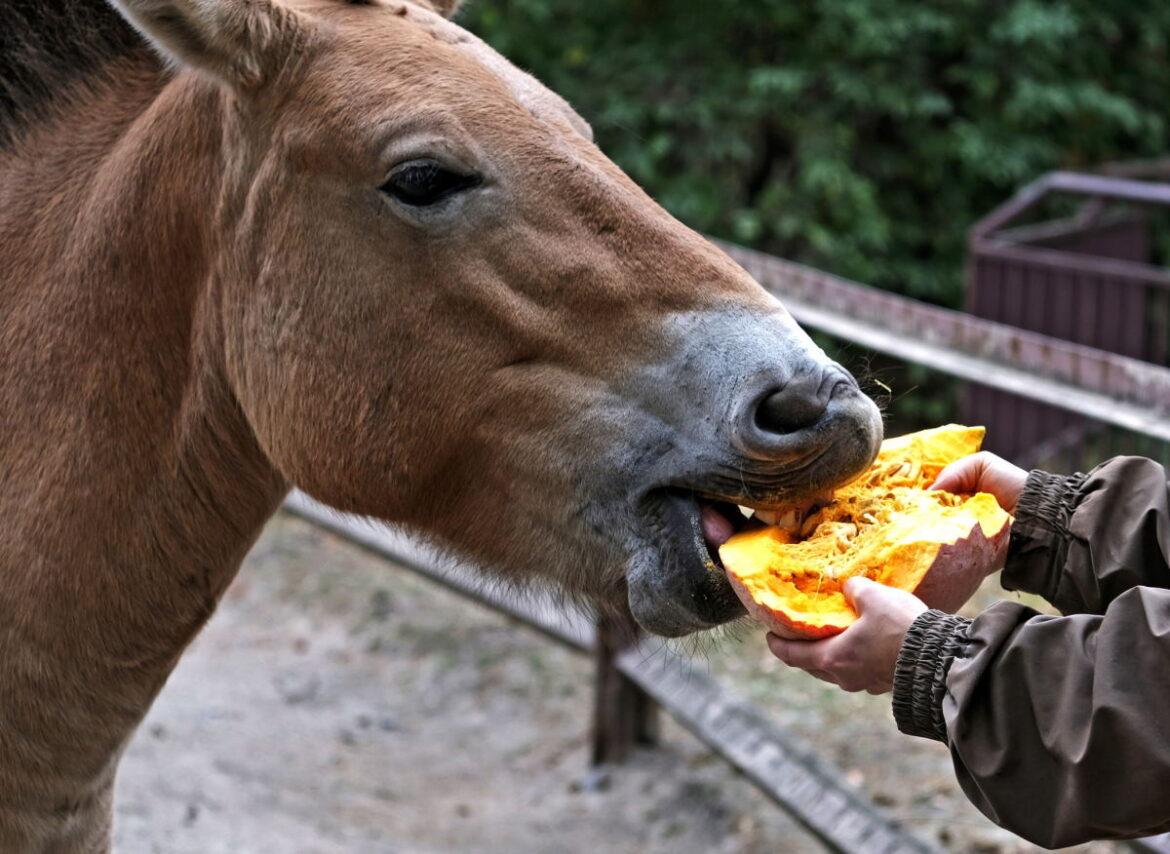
{"points": [[338, 704]]}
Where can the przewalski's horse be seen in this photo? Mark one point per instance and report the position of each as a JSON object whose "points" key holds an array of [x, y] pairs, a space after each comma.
{"points": [[347, 247]]}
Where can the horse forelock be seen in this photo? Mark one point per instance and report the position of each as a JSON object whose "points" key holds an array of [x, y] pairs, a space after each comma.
{"points": [[48, 48]]}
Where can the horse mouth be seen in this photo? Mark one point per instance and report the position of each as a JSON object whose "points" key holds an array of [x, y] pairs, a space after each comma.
{"points": [[688, 527], [676, 584], [720, 520], [706, 523]]}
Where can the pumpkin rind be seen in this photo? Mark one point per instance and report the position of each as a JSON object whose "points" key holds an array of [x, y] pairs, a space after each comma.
{"points": [[886, 525]]}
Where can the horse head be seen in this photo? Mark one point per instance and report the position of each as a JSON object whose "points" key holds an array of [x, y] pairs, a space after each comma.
{"points": [[441, 305]]}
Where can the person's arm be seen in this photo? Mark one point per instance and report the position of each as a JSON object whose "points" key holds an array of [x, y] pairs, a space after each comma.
{"points": [[1083, 540], [1059, 727]]}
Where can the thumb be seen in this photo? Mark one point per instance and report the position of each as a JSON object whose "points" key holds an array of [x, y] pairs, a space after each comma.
{"points": [[861, 591]]}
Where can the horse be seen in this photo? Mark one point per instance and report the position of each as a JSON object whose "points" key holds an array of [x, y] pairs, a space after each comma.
{"points": [[343, 246]]}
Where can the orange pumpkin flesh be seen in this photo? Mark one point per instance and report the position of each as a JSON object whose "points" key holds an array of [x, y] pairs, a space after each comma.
{"points": [[886, 525]]}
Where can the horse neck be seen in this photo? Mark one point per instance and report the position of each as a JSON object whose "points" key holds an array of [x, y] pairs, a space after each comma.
{"points": [[132, 485]]}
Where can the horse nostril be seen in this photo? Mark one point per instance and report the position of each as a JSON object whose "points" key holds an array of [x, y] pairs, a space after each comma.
{"points": [[798, 405]]}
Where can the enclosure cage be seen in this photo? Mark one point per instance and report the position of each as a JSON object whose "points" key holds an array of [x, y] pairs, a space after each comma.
{"points": [[1073, 256]]}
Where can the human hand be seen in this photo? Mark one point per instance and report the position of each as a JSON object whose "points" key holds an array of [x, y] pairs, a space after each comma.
{"points": [[984, 472], [863, 657], [957, 574]]}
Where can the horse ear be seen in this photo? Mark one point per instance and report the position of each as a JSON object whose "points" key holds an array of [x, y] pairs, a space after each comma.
{"points": [[239, 41]]}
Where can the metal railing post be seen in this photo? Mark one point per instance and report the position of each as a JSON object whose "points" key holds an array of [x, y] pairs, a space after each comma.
{"points": [[624, 716]]}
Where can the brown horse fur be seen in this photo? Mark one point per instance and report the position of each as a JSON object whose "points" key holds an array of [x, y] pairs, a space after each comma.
{"points": [[206, 297]]}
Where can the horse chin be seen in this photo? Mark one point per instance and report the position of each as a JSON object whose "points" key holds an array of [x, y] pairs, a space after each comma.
{"points": [[676, 586]]}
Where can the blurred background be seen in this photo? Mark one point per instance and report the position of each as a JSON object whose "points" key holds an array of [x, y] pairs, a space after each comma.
{"points": [[862, 137]]}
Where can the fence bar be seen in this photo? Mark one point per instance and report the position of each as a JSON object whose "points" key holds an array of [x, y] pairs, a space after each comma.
{"points": [[1099, 186], [536, 611], [624, 716], [1115, 389], [1062, 259], [790, 774]]}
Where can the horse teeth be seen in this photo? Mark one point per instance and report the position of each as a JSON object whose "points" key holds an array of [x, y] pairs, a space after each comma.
{"points": [[789, 520], [746, 511]]}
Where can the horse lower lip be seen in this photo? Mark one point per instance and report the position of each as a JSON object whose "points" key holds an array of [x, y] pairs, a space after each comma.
{"points": [[719, 521], [685, 590]]}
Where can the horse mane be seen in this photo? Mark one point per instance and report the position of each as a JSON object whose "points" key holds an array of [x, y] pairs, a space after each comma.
{"points": [[47, 46]]}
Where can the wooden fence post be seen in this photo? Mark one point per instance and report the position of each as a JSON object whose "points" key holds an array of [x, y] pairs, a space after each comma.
{"points": [[623, 714]]}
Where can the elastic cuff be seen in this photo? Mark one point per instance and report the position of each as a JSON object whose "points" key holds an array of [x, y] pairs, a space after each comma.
{"points": [[1039, 535], [920, 677], [1048, 500]]}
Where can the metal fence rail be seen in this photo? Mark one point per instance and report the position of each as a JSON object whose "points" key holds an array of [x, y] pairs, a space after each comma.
{"points": [[790, 774], [1114, 389]]}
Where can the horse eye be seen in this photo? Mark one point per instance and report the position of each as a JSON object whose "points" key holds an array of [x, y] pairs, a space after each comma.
{"points": [[425, 182]]}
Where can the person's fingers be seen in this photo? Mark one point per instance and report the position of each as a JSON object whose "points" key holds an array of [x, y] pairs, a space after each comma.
{"points": [[794, 652], [807, 655], [786, 633], [887, 605], [962, 476], [862, 592], [984, 472]]}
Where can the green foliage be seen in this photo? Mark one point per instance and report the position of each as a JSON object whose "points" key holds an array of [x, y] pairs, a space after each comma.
{"points": [[860, 136]]}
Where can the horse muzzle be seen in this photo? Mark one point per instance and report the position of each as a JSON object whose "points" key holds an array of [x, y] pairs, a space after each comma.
{"points": [[780, 445]]}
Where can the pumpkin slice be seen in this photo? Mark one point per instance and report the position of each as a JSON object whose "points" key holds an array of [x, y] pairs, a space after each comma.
{"points": [[886, 525]]}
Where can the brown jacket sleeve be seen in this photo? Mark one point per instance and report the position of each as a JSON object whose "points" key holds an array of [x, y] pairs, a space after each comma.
{"points": [[1083, 540], [1059, 727]]}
